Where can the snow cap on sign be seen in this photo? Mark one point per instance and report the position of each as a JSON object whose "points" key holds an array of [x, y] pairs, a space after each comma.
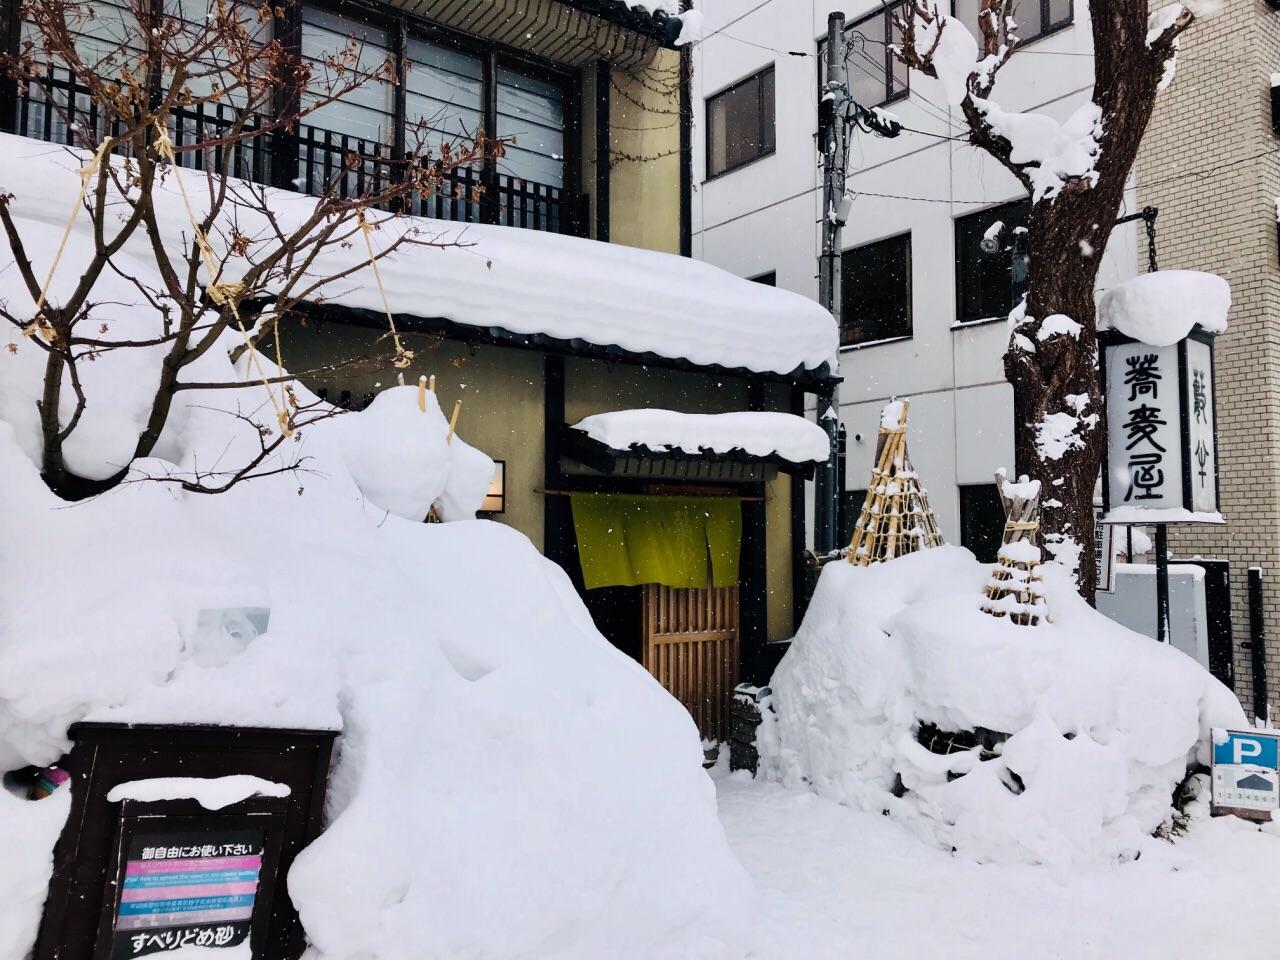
{"points": [[1161, 308]]}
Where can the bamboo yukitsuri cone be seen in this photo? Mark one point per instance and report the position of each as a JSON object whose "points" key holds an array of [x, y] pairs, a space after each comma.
{"points": [[896, 518], [1015, 589]]}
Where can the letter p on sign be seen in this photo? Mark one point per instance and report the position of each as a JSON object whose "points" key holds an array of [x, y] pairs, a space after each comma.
{"points": [[1245, 750]]}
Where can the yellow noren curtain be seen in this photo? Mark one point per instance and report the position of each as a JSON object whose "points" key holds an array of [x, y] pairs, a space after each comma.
{"points": [[625, 540]]}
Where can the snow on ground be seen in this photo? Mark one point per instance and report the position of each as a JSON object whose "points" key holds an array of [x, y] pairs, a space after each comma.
{"points": [[760, 434], [833, 882]]}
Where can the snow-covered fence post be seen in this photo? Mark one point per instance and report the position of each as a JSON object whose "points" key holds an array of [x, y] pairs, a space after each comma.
{"points": [[1075, 173], [1015, 589], [896, 518]]}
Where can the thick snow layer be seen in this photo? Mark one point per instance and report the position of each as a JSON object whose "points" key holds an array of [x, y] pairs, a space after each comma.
{"points": [[492, 740], [1053, 152], [516, 280], [1102, 722], [212, 793], [1161, 308], [955, 56], [759, 434], [835, 882]]}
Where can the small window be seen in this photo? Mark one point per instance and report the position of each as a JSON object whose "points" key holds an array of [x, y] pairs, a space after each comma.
{"points": [[875, 76], [769, 279], [981, 520], [1035, 18], [991, 261], [875, 291], [740, 124]]}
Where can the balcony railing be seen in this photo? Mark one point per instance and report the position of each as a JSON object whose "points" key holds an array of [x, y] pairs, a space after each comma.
{"points": [[55, 108]]}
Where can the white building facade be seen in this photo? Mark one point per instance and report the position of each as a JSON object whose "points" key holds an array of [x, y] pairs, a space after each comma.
{"points": [[925, 309]]}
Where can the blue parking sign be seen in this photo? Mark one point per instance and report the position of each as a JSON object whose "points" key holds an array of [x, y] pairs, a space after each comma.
{"points": [[1258, 749], [1246, 770]]}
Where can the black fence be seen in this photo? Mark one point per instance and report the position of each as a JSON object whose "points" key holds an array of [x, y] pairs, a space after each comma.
{"points": [[54, 107]]}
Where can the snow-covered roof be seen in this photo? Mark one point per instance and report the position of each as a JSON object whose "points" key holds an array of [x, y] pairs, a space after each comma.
{"points": [[757, 434], [581, 294]]}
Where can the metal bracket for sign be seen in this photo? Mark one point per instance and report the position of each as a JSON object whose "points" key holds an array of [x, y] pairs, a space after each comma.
{"points": [[209, 918]]}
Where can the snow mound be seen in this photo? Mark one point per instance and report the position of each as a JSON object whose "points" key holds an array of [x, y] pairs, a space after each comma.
{"points": [[1161, 308], [507, 783], [760, 434], [1101, 722]]}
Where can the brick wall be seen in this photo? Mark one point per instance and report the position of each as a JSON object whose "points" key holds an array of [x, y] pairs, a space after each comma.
{"points": [[1210, 164]]}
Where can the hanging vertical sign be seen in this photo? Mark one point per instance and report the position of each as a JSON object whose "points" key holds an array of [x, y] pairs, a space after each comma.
{"points": [[1104, 553], [1201, 426], [1161, 446]]}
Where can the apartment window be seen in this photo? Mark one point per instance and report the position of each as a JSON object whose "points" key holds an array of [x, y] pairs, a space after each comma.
{"points": [[981, 520], [769, 279], [875, 77], [1035, 18], [875, 291], [990, 282], [740, 123]]}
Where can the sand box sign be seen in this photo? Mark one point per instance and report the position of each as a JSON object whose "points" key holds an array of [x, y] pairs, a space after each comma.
{"points": [[186, 890]]}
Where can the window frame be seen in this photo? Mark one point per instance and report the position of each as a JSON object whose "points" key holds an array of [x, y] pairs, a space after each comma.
{"points": [[891, 96], [757, 78], [1044, 18], [909, 294], [962, 322]]}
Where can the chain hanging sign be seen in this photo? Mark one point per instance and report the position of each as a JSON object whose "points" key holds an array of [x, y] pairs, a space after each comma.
{"points": [[1162, 457]]}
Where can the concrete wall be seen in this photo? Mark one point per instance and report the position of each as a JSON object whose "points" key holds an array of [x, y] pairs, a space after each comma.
{"points": [[1215, 122], [765, 216]]}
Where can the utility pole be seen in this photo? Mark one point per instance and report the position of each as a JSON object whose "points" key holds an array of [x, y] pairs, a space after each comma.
{"points": [[831, 110]]}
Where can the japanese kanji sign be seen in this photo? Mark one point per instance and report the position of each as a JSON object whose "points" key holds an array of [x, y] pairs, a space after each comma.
{"points": [[186, 890], [1143, 443], [1161, 442], [1200, 416]]}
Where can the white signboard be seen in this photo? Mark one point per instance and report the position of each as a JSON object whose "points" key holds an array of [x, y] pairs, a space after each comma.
{"points": [[1200, 433], [1246, 769], [1144, 434]]}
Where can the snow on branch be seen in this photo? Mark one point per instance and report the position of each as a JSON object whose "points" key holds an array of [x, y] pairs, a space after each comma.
{"points": [[1049, 157]]}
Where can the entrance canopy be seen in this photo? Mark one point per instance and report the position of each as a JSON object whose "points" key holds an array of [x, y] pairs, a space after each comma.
{"points": [[625, 540]]}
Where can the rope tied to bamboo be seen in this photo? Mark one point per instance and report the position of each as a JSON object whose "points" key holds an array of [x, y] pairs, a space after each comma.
{"points": [[403, 357]]}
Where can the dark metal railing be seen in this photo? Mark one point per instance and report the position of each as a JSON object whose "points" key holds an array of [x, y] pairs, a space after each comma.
{"points": [[53, 106]]}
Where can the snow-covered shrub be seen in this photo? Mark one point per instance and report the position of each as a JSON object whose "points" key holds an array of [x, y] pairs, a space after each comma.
{"points": [[1101, 722]]}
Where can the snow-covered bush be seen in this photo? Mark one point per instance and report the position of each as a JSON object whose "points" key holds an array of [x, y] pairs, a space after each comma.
{"points": [[1101, 722]]}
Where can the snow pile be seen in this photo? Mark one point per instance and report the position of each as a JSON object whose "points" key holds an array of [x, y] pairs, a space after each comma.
{"points": [[497, 277], [403, 458], [1161, 308], [507, 783], [1052, 152], [758, 434], [211, 793], [1101, 722]]}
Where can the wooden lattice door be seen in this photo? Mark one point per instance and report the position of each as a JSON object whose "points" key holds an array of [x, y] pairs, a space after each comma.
{"points": [[691, 647]]}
